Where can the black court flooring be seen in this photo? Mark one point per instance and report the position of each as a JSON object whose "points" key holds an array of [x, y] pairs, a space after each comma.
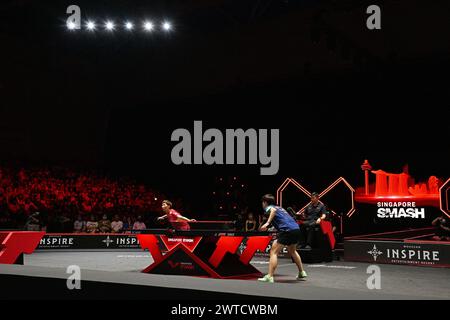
{"points": [[117, 275]]}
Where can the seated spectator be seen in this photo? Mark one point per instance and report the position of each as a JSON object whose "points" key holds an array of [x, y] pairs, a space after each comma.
{"points": [[239, 223], [442, 232], [86, 207], [13, 207], [314, 213], [116, 225], [109, 204], [64, 223], [33, 222], [79, 225], [92, 225], [250, 223], [139, 225], [104, 225], [127, 224], [29, 206]]}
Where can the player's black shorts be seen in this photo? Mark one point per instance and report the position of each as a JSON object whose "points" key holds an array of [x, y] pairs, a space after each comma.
{"points": [[289, 237]]}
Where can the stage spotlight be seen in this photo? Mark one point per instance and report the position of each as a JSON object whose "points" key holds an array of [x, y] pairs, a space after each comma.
{"points": [[90, 25], [71, 25], [109, 25], [166, 26], [148, 26], [129, 25]]}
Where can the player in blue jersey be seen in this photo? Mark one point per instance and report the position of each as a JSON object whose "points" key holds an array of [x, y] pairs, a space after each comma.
{"points": [[288, 235]]}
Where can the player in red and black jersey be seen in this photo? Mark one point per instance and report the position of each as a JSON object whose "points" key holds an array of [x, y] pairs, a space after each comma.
{"points": [[177, 221]]}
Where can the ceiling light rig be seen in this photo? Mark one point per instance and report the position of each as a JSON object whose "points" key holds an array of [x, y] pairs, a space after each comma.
{"points": [[128, 26]]}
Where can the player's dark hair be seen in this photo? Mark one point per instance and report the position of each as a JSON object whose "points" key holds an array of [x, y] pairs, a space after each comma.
{"points": [[314, 194], [270, 199], [168, 203]]}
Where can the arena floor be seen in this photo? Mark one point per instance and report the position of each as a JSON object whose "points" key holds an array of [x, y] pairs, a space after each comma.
{"points": [[334, 280]]}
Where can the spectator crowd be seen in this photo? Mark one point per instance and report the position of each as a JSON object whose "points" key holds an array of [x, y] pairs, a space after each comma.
{"points": [[66, 200]]}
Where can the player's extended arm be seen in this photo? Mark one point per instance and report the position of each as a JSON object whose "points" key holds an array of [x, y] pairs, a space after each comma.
{"points": [[162, 217], [181, 218], [269, 220]]}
